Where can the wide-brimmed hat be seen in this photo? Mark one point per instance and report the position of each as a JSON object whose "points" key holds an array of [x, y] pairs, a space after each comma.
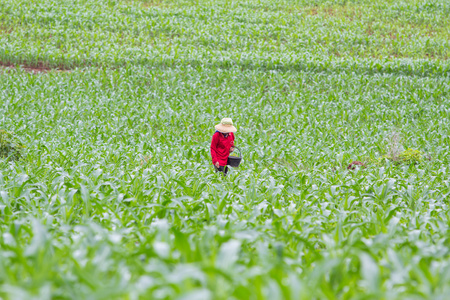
{"points": [[226, 126]]}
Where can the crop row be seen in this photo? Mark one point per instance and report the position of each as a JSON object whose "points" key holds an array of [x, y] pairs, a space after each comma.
{"points": [[299, 37]]}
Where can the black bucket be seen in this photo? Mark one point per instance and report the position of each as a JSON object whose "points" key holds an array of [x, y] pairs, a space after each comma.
{"points": [[234, 161]]}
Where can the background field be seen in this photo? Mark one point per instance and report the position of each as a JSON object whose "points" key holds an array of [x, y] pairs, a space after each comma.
{"points": [[116, 197]]}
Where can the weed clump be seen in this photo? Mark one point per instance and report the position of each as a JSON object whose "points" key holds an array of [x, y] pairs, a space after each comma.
{"points": [[396, 153], [10, 148], [409, 156]]}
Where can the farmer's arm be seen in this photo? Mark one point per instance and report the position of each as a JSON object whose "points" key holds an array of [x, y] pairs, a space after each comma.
{"points": [[215, 140], [232, 142]]}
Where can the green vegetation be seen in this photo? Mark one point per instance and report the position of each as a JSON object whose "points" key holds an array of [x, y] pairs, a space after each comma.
{"points": [[409, 156], [115, 196], [10, 148]]}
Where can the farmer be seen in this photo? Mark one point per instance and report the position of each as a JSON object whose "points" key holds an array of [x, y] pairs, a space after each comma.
{"points": [[222, 144]]}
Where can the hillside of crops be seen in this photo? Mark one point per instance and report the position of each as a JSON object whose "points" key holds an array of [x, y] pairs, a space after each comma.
{"points": [[107, 109]]}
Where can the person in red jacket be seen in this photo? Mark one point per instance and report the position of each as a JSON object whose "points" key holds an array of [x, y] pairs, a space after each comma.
{"points": [[222, 144]]}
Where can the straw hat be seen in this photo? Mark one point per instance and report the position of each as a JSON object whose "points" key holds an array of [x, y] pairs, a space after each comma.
{"points": [[225, 126]]}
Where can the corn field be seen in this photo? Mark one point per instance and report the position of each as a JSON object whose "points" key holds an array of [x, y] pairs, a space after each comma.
{"points": [[112, 106]]}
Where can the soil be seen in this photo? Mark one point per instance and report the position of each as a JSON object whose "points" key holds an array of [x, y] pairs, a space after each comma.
{"points": [[36, 69], [353, 165]]}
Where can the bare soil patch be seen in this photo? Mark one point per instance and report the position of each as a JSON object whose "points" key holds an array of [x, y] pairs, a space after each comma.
{"points": [[354, 164], [35, 69]]}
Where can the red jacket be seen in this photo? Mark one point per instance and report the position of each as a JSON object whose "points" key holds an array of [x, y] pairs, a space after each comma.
{"points": [[220, 147]]}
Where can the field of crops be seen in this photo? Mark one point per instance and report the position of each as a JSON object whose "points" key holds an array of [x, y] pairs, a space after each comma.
{"points": [[115, 196]]}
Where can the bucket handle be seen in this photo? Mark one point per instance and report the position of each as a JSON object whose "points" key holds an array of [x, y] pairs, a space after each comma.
{"points": [[240, 154]]}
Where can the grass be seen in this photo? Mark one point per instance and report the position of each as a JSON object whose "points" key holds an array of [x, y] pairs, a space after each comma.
{"points": [[115, 196]]}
